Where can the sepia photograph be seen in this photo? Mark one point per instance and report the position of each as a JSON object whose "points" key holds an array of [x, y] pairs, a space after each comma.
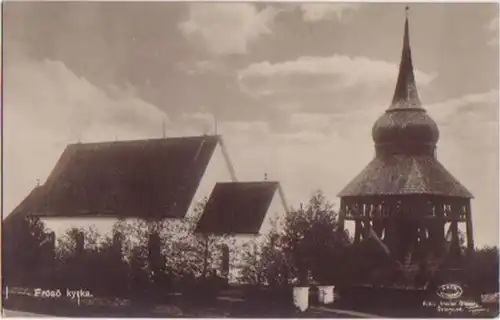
{"points": [[250, 159]]}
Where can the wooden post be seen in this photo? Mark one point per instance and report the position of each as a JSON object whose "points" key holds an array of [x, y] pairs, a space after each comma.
{"points": [[366, 221], [422, 232], [440, 225], [342, 213], [366, 228], [455, 242], [455, 215], [468, 225], [389, 227], [357, 231], [378, 227]]}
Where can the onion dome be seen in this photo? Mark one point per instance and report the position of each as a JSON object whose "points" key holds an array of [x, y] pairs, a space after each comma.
{"points": [[405, 127]]}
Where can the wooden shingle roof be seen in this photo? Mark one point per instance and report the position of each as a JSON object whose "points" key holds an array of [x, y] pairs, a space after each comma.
{"points": [[25, 207], [154, 178], [237, 208], [405, 175]]}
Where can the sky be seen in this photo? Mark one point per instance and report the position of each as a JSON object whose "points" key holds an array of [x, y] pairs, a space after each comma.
{"points": [[295, 87]]}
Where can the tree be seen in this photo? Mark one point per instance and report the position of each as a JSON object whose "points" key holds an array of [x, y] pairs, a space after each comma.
{"points": [[138, 275], [313, 243], [26, 251], [263, 259], [308, 246], [78, 258], [163, 253], [109, 269], [482, 270], [188, 252]]}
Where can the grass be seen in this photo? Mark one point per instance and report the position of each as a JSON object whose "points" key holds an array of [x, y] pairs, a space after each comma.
{"points": [[178, 307], [259, 305]]}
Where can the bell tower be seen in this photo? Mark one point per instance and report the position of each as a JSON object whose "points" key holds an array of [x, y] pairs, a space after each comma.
{"points": [[405, 199]]}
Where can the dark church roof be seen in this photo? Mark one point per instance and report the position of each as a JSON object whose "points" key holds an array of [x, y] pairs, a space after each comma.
{"points": [[405, 139], [25, 207], [144, 178], [237, 208]]}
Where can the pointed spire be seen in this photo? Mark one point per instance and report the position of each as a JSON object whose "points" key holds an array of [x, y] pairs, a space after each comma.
{"points": [[406, 95]]}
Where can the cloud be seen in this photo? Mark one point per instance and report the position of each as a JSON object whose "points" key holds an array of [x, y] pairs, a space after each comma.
{"points": [[320, 151], [301, 137], [492, 26], [199, 116], [482, 105], [195, 123], [227, 28], [310, 121], [349, 70], [46, 107], [245, 127], [330, 84], [202, 67], [312, 12], [468, 147]]}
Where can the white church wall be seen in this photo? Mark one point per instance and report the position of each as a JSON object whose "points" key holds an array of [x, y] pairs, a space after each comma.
{"points": [[275, 215], [216, 171], [60, 225]]}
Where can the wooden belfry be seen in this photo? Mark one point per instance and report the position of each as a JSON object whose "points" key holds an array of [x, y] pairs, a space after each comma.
{"points": [[405, 199]]}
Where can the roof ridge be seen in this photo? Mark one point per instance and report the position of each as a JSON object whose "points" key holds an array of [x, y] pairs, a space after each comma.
{"points": [[58, 170], [250, 181], [417, 183], [109, 142], [19, 211]]}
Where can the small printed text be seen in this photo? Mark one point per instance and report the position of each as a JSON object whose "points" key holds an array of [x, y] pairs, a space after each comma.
{"points": [[68, 293]]}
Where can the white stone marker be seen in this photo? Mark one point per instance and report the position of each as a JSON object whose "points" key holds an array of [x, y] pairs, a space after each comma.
{"points": [[326, 294], [301, 298]]}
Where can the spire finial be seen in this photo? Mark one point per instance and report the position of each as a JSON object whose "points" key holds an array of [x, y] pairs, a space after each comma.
{"points": [[407, 11], [406, 95]]}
